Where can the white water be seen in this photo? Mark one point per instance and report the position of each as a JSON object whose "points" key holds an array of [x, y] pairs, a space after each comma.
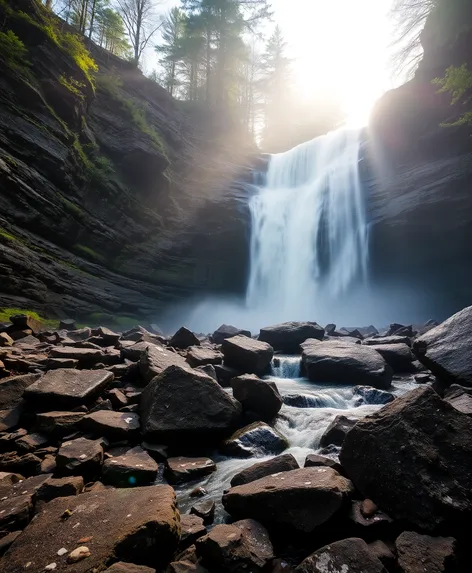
{"points": [[309, 241]]}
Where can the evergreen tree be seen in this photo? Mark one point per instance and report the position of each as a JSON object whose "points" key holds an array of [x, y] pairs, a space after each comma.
{"points": [[171, 48]]}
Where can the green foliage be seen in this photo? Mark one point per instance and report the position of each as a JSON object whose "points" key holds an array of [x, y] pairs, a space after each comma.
{"points": [[74, 46], [5, 314], [102, 318], [72, 85], [90, 253], [71, 208], [98, 168], [458, 82], [13, 50]]}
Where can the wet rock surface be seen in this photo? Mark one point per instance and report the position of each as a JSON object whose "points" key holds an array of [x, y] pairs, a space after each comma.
{"points": [[288, 337], [247, 355], [258, 396], [256, 439]]}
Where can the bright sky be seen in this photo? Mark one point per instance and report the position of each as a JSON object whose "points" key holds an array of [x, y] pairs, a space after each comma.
{"points": [[338, 45]]}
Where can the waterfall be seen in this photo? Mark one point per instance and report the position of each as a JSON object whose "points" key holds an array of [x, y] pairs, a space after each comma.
{"points": [[309, 241]]}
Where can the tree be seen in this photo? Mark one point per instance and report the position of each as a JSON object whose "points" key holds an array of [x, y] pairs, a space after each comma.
{"points": [[457, 82], [171, 48], [110, 33], [141, 22]]}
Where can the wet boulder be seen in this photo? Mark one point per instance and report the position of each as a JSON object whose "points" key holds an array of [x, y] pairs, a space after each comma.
{"points": [[247, 355], [257, 439], [133, 468], [184, 338], [418, 553], [203, 355], [315, 460], [138, 525], [227, 331], [156, 358], [344, 363], [369, 395], [182, 405], [337, 430], [297, 501], [349, 555], [204, 509], [403, 458], [288, 337], [398, 356], [67, 388], [241, 546], [447, 349], [182, 469], [261, 397], [283, 463]]}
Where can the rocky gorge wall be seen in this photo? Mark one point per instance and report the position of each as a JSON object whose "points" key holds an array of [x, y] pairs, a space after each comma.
{"points": [[114, 198]]}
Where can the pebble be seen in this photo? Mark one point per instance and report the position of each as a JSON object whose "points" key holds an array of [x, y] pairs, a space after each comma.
{"points": [[62, 551], [78, 554], [50, 567]]}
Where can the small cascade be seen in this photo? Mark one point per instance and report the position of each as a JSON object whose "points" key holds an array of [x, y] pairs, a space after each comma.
{"points": [[286, 367]]}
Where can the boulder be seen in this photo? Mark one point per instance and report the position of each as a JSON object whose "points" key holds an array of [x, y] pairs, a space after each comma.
{"points": [[133, 468], [384, 554], [87, 357], [26, 465], [155, 359], [261, 397], [247, 355], [139, 525], [187, 469], [337, 430], [283, 463], [418, 553], [288, 337], [117, 398], [188, 562], [398, 356], [122, 567], [80, 457], [191, 529], [183, 405], [31, 442], [17, 503], [298, 500], [208, 369], [402, 457], [13, 388], [67, 388], [7, 541], [204, 509], [5, 339], [389, 340], [226, 331], [114, 425], [202, 355], [257, 439], [447, 349], [315, 460], [241, 546], [224, 374], [369, 395], [60, 487], [25, 322], [184, 338], [347, 556], [302, 401], [460, 398], [344, 363]]}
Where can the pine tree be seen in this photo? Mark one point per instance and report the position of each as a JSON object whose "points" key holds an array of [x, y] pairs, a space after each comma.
{"points": [[171, 48]]}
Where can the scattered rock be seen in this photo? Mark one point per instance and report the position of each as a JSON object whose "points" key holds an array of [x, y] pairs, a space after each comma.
{"points": [[191, 529], [60, 487], [25, 321], [247, 355], [13, 388], [59, 423], [338, 362], [113, 425], [122, 567], [315, 460], [224, 374], [369, 519], [418, 553], [67, 388], [139, 525], [5, 339], [302, 401], [288, 337], [369, 395], [396, 455], [376, 340], [460, 398], [187, 469], [155, 359], [31, 442], [184, 338], [398, 356], [133, 468], [347, 556], [253, 440], [337, 430], [299, 500], [27, 465], [7, 541], [209, 370], [384, 554], [259, 396], [117, 398], [80, 457], [201, 355], [67, 324], [183, 405], [87, 357], [78, 554], [226, 331], [205, 510], [283, 463]]}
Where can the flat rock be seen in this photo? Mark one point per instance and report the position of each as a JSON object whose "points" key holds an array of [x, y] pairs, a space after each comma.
{"points": [[31, 442], [191, 529], [133, 468], [187, 469], [27, 464], [460, 398], [204, 509], [12, 389], [257, 439], [418, 553], [182, 405], [299, 500], [315, 460], [7, 541], [376, 340], [59, 423], [258, 396], [155, 359], [67, 388], [122, 567], [113, 425], [403, 459], [60, 487], [247, 355], [202, 355], [288, 337], [241, 546], [283, 463], [347, 556], [139, 525], [86, 357], [337, 430], [184, 338], [80, 457], [344, 363], [227, 331]]}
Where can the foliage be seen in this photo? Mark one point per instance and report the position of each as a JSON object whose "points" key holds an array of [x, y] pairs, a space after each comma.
{"points": [[457, 82], [75, 47], [98, 169], [12, 49], [5, 314], [72, 85]]}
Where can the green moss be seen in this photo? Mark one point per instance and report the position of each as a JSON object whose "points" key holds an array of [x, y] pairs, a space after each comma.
{"points": [[74, 46], [98, 168], [8, 236], [5, 314], [71, 208], [101, 318], [90, 253], [13, 51], [73, 86]]}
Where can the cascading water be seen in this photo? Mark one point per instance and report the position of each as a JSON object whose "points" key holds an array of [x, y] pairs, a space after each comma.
{"points": [[309, 229]]}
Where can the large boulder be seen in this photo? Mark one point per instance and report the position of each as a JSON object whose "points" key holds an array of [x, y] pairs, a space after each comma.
{"points": [[413, 459], [368, 395], [257, 439], [261, 397], [337, 430], [345, 363], [418, 553], [155, 359], [398, 356], [80, 457], [247, 355], [283, 463], [447, 349], [347, 556], [460, 398], [184, 338], [67, 388], [133, 468], [298, 500], [12, 389], [139, 525], [182, 405], [288, 336], [202, 355], [227, 331]]}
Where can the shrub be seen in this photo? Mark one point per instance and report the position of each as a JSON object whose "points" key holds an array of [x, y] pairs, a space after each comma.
{"points": [[74, 46], [12, 49], [458, 82], [72, 85]]}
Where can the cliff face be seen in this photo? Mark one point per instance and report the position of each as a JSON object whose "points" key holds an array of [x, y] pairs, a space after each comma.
{"points": [[114, 198], [418, 176]]}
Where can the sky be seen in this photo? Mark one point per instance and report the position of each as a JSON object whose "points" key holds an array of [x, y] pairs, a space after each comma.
{"points": [[339, 46]]}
